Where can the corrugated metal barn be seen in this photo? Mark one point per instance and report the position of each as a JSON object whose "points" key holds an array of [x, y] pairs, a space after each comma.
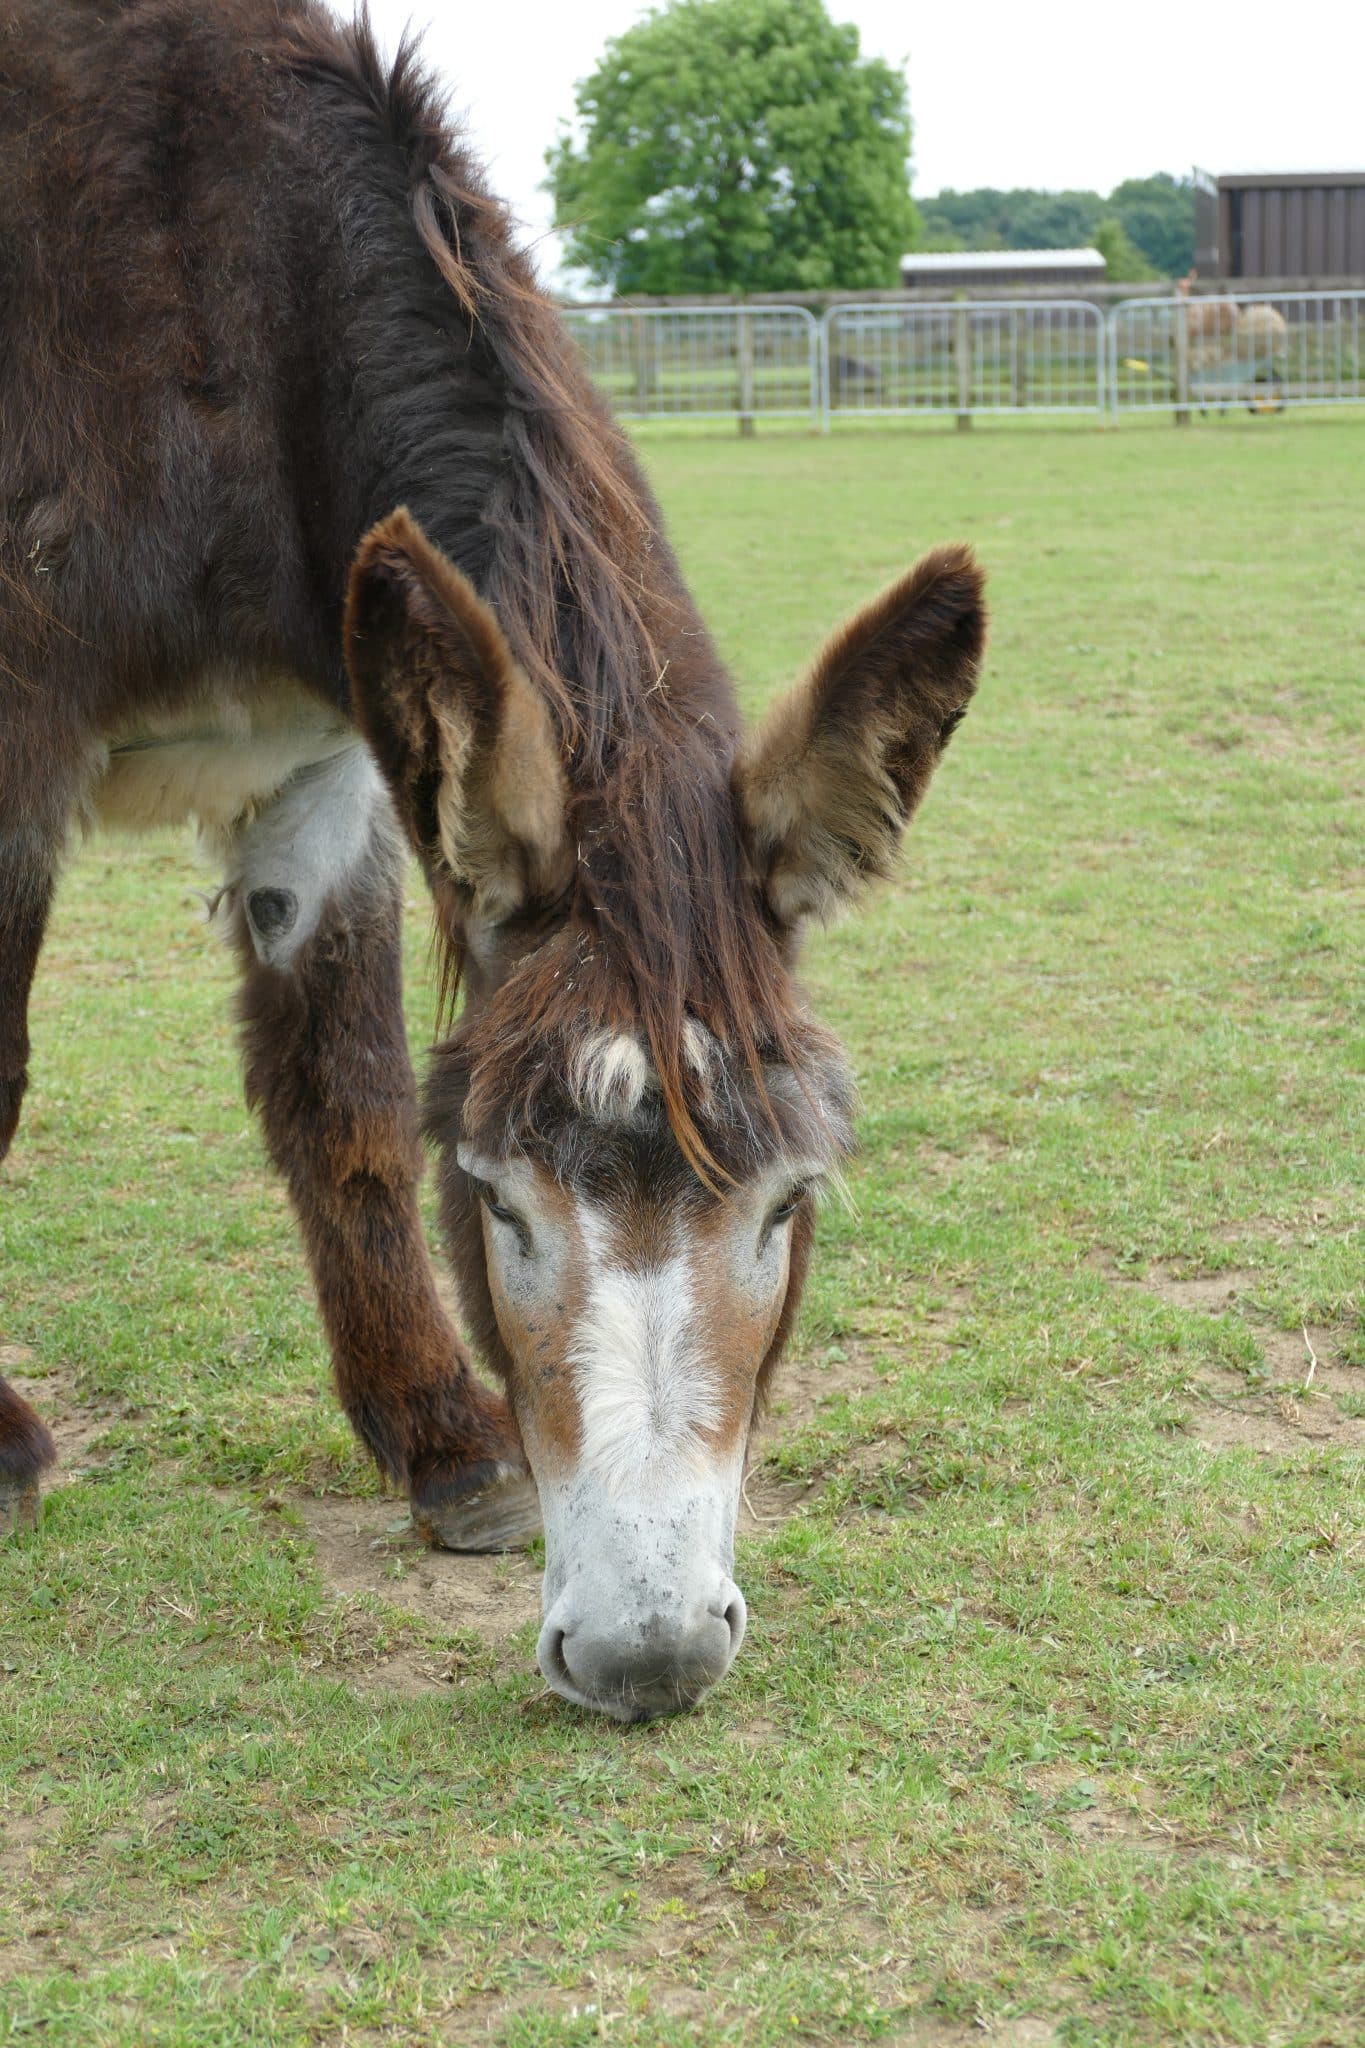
{"points": [[1303, 224]]}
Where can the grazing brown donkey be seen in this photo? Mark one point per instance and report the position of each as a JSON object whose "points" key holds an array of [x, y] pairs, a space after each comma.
{"points": [[312, 530]]}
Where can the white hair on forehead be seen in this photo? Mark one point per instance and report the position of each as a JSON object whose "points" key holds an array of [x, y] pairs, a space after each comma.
{"points": [[611, 1073], [701, 1050]]}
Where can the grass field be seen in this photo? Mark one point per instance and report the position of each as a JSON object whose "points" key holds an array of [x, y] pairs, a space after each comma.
{"points": [[1049, 1724]]}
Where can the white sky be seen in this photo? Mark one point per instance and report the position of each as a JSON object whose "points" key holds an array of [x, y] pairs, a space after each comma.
{"points": [[1001, 93]]}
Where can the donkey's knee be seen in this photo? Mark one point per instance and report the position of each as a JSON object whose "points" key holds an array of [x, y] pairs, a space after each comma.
{"points": [[328, 840]]}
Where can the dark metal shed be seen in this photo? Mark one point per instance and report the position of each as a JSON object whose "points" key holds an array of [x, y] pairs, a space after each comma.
{"points": [[1281, 224]]}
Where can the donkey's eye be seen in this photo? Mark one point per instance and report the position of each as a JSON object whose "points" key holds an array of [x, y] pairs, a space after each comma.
{"points": [[499, 1211], [790, 1203]]}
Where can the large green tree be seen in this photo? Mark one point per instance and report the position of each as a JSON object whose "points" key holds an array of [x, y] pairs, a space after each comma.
{"points": [[737, 145]]}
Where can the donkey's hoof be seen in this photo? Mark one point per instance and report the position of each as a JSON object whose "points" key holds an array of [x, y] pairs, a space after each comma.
{"points": [[493, 1507], [20, 1503]]}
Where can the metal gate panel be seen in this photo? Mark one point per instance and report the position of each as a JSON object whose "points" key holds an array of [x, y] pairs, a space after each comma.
{"points": [[1262, 350], [965, 357], [702, 362]]}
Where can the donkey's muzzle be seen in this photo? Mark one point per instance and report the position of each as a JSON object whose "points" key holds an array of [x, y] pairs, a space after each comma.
{"points": [[642, 1614], [638, 1669]]}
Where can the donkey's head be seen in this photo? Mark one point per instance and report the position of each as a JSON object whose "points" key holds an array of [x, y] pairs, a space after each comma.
{"points": [[636, 1115]]}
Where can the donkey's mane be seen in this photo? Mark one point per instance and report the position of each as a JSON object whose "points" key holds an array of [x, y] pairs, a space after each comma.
{"points": [[565, 545]]}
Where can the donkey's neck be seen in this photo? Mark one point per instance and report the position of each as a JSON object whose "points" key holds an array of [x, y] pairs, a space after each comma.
{"points": [[453, 389]]}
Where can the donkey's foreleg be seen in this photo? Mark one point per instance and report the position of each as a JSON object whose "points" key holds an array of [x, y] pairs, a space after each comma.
{"points": [[28, 859], [317, 905], [28, 862]]}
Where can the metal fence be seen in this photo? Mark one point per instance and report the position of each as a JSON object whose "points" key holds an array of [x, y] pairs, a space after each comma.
{"points": [[969, 358], [965, 358], [1263, 350], [703, 362]]}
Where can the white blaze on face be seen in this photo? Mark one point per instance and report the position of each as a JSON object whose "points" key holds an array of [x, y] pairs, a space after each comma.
{"points": [[647, 1395], [630, 1359], [641, 1611]]}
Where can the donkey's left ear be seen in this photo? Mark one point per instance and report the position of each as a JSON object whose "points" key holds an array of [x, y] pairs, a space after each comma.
{"points": [[464, 741], [828, 784]]}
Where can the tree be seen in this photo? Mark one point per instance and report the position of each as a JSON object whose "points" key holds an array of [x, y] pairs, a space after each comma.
{"points": [[1123, 264], [1158, 218], [737, 145], [1156, 215], [1021, 219]]}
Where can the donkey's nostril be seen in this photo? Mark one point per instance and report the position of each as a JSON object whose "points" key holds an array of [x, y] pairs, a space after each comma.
{"points": [[550, 1657], [735, 1615], [638, 1666]]}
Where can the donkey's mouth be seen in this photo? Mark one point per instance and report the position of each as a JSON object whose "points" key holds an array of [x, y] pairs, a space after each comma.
{"points": [[642, 1671]]}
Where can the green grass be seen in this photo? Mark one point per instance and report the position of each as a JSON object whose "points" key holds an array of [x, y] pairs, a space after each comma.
{"points": [[1049, 1722]]}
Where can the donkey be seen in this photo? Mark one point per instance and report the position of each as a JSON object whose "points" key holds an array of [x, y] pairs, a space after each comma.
{"points": [[313, 531]]}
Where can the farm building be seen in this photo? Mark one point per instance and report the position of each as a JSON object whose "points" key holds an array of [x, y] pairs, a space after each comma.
{"points": [[961, 269], [1303, 224]]}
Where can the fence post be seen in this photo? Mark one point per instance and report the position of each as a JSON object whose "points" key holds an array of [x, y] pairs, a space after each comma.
{"points": [[1182, 363], [639, 331], [962, 355], [745, 345]]}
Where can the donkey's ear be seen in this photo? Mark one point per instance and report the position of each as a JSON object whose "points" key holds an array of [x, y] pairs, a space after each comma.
{"points": [[826, 787], [464, 741]]}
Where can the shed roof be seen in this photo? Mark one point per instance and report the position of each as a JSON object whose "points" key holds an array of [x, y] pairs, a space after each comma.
{"points": [[1246, 181], [1003, 259]]}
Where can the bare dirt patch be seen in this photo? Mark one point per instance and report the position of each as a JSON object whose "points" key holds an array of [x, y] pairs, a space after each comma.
{"points": [[1093, 1817], [941, 1163], [23, 1839], [1305, 1392], [23, 1836], [1215, 1293], [1266, 1230], [766, 1499], [846, 1371], [928, 2032], [1023, 2034], [360, 1550], [879, 1469], [1278, 1421], [805, 1386]]}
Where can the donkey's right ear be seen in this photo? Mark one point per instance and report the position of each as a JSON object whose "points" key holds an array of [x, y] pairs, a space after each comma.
{"points": [[464, 741], [827, 786]]}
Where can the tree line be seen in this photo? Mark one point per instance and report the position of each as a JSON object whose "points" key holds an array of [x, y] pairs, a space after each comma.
{"points": [[1155, 217]]}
